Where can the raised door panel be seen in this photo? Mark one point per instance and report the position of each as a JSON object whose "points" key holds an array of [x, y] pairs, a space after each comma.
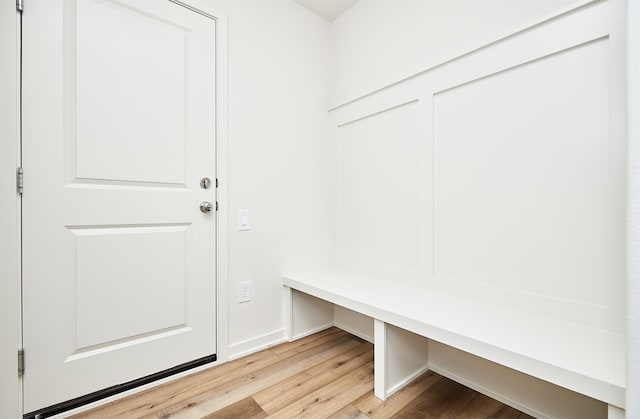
{"points": [[137, 270], [129, 69]]}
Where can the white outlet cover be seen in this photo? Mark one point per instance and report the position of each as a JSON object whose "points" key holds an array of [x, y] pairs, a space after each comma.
{"points": [[244, 292]]}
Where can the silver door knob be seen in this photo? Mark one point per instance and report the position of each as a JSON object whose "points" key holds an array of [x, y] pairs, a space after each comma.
{"points": [[206, 206]]}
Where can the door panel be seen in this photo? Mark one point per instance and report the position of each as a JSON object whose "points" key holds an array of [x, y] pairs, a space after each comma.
{"points": [[111, 39], [100, 283], [118, 129]]}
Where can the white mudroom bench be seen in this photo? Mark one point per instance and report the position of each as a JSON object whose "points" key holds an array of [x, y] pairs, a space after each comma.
{"points": [[523, 352]]}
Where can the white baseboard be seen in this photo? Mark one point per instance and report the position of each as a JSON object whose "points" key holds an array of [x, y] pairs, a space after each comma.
{"points": [[240, 349], [528, 394], [312, 331], [407, 381], [486, 391], [354, 332]]}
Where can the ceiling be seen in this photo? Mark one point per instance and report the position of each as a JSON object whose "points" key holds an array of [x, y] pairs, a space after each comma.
{"points": [[327, 9]]}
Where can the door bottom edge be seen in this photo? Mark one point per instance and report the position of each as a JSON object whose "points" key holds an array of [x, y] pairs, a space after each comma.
{"points": [[95, 396]]}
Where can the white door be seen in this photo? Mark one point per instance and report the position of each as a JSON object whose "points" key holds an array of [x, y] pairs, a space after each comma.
{"points": [[118, 129]]}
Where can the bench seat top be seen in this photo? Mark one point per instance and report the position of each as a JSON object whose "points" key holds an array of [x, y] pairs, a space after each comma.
{"points": [[586, 360]]}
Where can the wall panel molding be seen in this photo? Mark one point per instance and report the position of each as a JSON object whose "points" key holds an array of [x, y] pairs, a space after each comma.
{"points": [[526, 167], [391, 108], [585, 37], [376, 178], [483, 44]]}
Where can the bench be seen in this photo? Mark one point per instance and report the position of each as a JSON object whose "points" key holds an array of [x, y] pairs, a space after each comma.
{"points": [[514, 346]]}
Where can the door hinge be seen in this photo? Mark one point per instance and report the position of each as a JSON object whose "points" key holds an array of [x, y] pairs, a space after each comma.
{"points": [[216, 182], [20, 180], [19, 5], [216, 205], [20, 361]]}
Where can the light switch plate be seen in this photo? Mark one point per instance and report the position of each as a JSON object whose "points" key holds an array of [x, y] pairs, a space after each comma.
{"points": [[243, 220]]}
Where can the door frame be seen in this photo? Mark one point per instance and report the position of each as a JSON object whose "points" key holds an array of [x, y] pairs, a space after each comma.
{"points": [[10, 217], [10, 205]]}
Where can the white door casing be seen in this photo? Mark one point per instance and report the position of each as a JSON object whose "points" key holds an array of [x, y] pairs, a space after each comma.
{"points": [[118, 129]]}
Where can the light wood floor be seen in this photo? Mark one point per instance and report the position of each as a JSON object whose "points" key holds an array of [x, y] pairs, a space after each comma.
{"points": [[326, 375]]}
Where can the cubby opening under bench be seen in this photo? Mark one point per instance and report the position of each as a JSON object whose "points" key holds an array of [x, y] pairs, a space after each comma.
{"points": [[540, 365]]}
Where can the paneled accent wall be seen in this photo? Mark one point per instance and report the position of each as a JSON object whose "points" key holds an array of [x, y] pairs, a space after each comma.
{"points": [[500, 174], [376, 208]]}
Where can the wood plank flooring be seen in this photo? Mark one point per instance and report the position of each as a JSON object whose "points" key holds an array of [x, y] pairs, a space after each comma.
{"points": [[326, 375]]}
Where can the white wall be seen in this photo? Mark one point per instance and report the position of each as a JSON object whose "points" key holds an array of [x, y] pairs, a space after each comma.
{"points": [[380, 42], [277, 164], [9, 214]]}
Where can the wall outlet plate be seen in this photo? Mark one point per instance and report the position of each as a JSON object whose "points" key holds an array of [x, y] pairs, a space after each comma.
{"points": [[244, 292]]}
